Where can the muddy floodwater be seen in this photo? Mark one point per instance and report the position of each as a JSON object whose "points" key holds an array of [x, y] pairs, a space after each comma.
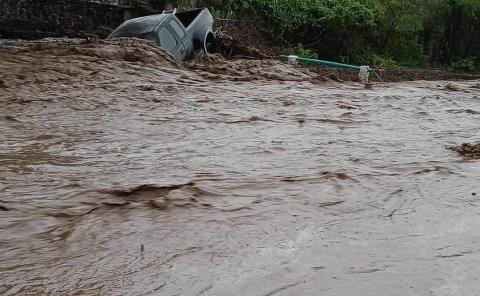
{"points": [[124, 173]]}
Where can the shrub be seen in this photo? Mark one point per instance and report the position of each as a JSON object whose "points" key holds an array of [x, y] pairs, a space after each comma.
{"points": [[463, 65], [305, 53]]}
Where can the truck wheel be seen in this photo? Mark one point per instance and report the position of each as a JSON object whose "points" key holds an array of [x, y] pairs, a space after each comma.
{"points": [[210, 44]]}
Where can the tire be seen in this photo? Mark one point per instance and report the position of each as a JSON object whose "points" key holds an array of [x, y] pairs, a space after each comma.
{"points": [[210, 43]]}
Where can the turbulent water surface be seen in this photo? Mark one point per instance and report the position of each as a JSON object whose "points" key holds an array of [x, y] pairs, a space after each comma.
{"points": [[124, 173]]}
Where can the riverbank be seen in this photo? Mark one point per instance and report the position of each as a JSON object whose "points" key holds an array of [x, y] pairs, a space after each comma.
{"points": [[244, 39]]}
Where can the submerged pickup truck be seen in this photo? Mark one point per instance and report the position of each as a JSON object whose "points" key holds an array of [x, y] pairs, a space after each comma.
{"points": [[182, 34]]}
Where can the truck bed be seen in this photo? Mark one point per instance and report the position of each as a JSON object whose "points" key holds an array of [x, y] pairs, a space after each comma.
{"points": [[188, 17], [198, 23]]}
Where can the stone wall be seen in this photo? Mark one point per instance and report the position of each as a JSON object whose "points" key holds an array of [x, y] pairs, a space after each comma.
{"points": [[32, 19]]}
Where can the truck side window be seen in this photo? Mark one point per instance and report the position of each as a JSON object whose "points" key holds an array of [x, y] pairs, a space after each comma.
{"points": [[167, 41], [176, 27]]}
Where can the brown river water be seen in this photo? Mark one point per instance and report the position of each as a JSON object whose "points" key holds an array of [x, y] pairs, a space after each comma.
{"points": [[124, 173]]}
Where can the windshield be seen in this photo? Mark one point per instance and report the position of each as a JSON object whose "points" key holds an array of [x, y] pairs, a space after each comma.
{"points": [[138, 26]]}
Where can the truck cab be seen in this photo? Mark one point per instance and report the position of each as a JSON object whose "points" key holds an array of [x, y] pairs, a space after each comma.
{"points": [[172, 36], [182, 34]]}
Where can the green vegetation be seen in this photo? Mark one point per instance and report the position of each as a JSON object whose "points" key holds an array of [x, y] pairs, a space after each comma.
{"points": [[463, 65], [305, 53], [386, 33]]}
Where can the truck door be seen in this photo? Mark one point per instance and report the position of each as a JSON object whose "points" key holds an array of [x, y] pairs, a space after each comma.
{"points": [[182, 34], [171, 42]]}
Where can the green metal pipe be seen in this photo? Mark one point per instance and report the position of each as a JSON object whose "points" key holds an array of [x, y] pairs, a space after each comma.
{"points": [[330, 64], [326, 63]]}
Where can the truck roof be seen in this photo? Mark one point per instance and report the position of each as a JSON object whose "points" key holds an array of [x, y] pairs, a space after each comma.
{"points": [[139, 26]]}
